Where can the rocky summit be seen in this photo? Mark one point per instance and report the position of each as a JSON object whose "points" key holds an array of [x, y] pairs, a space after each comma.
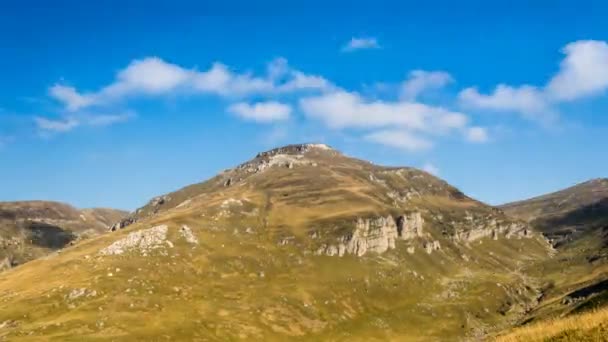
{"points": [[300, 243]]}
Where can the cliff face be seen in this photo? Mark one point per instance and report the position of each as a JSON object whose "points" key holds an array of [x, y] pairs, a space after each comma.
{"points": [[380, 234], [491, 227], [376, 235]]}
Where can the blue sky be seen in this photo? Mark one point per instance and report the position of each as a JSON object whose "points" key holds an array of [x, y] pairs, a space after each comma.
{"points": [[109, 104]]}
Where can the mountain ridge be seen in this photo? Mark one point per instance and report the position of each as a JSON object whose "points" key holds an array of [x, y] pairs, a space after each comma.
{"points": [[32, 229], [567, 214]]}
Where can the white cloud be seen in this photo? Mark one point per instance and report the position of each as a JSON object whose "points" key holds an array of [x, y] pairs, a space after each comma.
{"points": [[584, 71], [420, 81], [476, 134], [222, 81], [361, 43], [262, 111], [401, 124], [150, 76], [525, 99], [100, 120], [342, 109], [154, 77], [401, 139], [70, 97], [430, 168], [300, 81], [404, 123], [56, 125], [72, 121]]}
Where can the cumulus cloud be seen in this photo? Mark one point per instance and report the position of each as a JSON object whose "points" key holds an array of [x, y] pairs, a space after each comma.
{"points": [[401, 124], [527, 100], [582, 73], [430, 168], [420, 81], [404, 123], [343, 109], [361, 43], [154, 76], [220, 80], [401, 139], [262, 111], [149, 76]]}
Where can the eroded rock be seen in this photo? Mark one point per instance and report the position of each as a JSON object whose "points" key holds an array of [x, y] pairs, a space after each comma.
{"points": [[123, 223], [431, 246], [81, 292], [476, 227], [187, 234], [142, 241], [410, 226], [376, 235]]}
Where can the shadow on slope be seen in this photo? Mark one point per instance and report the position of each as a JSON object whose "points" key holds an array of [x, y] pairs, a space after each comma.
{"points": [[571, 225], [48, 236]]}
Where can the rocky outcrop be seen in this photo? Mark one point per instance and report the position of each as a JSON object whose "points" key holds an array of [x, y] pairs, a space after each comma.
{"points": [[142, 241], [409, 226], [187, 234], [278, 160], [123, 223], [480, 227], [80, 292], [375, 235], [297, 149], [431, 246], [379, 234], [153, 207], [288, 157], [158, 201]]}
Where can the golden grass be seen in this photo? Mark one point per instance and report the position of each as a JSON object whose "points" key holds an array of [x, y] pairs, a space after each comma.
{"points": [[582, 325]]}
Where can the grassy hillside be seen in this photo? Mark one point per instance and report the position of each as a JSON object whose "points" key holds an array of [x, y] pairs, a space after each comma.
{"points": [[588, 327], [566, 214], [576, 279], [300, 243]]}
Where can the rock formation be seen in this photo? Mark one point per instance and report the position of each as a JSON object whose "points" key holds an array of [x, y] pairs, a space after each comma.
{"points": [[409, 226], [142, 241], [376, 235], [479, 227], [187, 234]]}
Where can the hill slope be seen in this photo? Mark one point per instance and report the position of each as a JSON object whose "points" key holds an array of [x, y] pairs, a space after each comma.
{"points": [[299, 243], [576, 221], [567, 214], [30, 229]]}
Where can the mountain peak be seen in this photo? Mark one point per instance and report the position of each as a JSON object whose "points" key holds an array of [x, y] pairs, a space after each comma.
{"points": [[295, 149]]}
